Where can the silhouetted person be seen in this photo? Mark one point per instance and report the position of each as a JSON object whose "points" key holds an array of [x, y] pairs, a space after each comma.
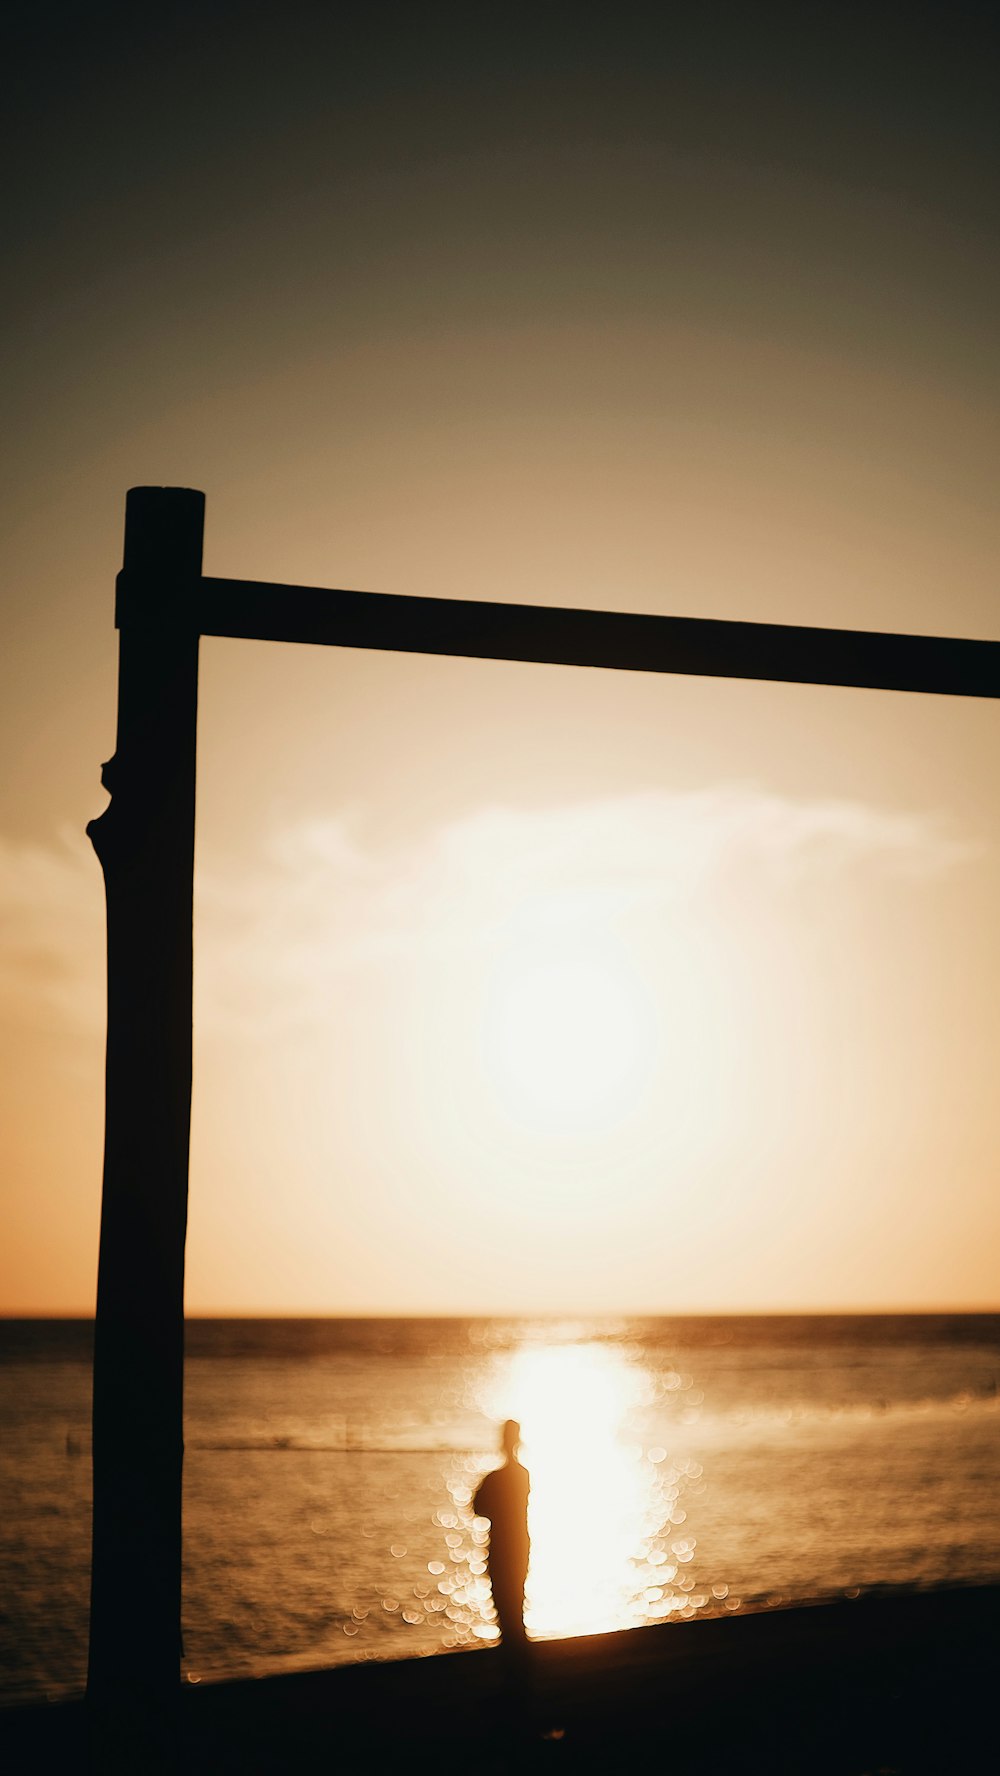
{"points": [[503, 1498]]}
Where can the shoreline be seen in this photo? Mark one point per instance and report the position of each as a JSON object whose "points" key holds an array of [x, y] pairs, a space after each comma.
{"points": [[893, 1681]]}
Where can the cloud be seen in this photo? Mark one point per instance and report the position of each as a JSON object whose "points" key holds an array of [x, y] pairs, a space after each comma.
{"points": [[319, 905], [274, 935]]}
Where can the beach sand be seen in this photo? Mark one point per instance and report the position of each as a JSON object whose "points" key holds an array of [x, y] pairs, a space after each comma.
{"points": [[888, 1684]]}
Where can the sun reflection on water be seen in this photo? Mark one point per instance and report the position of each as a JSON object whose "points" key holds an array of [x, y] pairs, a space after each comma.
{"points": [[598, 1502]]}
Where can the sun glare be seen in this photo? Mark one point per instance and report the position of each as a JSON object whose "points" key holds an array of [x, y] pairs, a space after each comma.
{"points": [[566, 1043], [595, 1501]]}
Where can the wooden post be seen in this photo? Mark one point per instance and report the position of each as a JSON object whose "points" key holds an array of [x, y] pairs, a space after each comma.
{"points": [[145, 842]]}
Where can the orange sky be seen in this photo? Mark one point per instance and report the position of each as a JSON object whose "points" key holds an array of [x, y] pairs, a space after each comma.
{"points": [[520, 987]]}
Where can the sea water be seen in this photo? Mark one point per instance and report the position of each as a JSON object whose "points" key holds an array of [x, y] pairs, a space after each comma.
{"points": [[678, 1468]]}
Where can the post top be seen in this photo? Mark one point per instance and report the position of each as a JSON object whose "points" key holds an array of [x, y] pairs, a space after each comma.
{"points": [[164, 530]]}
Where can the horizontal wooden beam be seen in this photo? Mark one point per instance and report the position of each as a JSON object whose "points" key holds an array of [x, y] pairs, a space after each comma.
{"points": [[624, 641]]}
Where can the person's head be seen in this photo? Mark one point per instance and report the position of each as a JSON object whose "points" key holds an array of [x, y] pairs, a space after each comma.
{"points": [[511, 1438]]}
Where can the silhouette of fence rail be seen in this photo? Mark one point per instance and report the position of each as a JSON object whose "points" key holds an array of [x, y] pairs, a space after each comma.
{"points": [[145, 842], [619, 640]]}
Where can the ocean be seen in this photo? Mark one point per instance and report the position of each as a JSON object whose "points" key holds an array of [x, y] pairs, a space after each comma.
{"points": [[679, 1467]]}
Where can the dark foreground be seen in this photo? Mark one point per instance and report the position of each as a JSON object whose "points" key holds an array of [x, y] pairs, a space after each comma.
{"points": [[887, 1685]]}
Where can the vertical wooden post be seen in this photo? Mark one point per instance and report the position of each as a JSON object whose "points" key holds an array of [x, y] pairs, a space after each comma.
{"points": [[145, 842]]}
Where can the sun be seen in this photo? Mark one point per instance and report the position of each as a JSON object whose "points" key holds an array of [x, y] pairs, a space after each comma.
{"points": [[566, 1042]]}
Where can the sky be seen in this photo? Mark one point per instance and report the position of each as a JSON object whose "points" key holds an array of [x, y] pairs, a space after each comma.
{"points": [[517, 988]]}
